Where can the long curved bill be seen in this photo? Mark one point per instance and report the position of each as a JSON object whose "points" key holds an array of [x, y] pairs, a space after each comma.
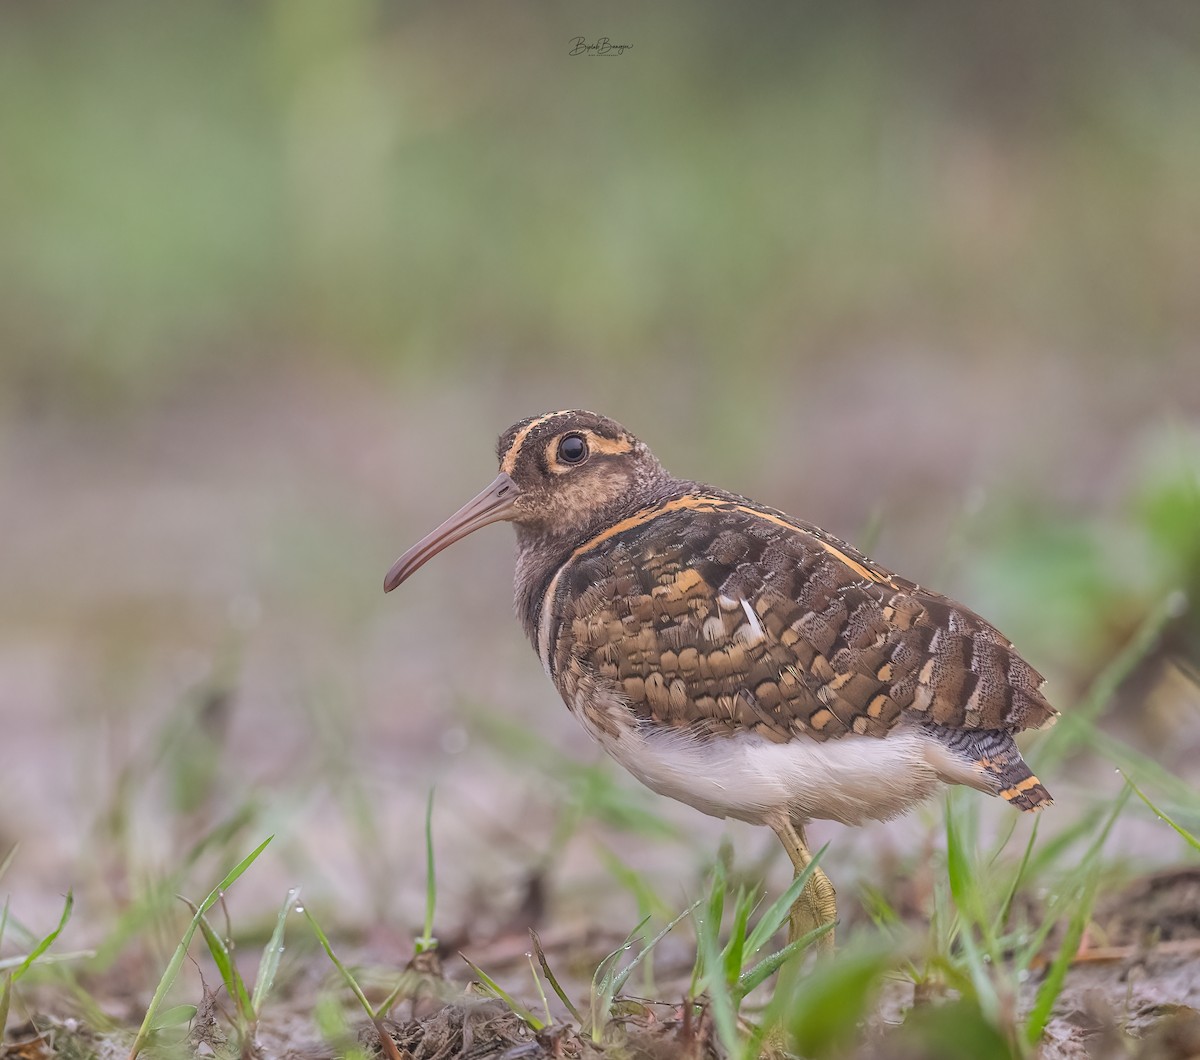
{"points": [[491, 506]]}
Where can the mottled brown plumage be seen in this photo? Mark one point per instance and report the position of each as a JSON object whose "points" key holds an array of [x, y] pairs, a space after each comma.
{"points": [[692, 630]]}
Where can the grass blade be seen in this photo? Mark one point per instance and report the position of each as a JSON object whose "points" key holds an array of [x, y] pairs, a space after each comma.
{"points": [[1077, 725], [602, 992], [269, 964], [23, 964], [1052, 985], [735, 948], [609, 962], [504, 995], [9, 963], [218, 948], [712, 981], [5, 1001], [347, 975], [710, 922], [402, 988], [1190, 839], [427, 941], [777, 912], [8, 859], [986, 994], [1053, 848], [174, 1016], [1145, 770], [180, 954], [562, 994], [46, 942], [1011, 893], [764, 969], [822, 1011], [537, 981], [386, 1042], [622, 977], [963, 884], [648, 900]]}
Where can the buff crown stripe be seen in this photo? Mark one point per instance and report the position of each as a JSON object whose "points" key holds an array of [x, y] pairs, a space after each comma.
{"points": [[514, 450]]}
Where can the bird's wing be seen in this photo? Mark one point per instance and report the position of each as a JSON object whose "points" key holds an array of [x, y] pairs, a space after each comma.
{"points": [[712, 612]]}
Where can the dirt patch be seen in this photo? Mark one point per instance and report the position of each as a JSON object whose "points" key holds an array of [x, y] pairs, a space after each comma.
{"points": [[479, 1030], [1162, 907]]}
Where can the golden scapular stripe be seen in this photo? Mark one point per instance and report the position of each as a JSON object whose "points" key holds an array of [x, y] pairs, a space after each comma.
{"points": [[696, 502], [646, 515], [832, 549], [700, 503]]}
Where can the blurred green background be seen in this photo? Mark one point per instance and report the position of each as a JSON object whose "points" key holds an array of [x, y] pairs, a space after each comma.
{"points": [[274, 276], [421, 188]]}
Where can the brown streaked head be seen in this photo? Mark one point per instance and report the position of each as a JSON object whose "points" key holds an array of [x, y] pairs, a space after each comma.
{"points": [[562, 475]]}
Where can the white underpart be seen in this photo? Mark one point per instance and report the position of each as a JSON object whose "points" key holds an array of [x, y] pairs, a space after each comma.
{"points": [[748, 777]]}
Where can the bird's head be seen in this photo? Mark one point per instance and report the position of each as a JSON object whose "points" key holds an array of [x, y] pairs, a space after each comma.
{"points": [[562, 474]]}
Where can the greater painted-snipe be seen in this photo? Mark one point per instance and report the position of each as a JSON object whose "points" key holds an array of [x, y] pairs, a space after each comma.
{"points": [[737, 659]]}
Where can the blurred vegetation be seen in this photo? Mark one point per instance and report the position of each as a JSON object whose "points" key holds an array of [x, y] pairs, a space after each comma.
{"points": [[835, 203], [1097, 579], [434, 186]]}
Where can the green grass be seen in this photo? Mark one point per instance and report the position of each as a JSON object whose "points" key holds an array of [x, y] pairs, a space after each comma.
{"points": [[153, 1018], [248, 1007], [996, 954], [426, 942], [14, 968]]}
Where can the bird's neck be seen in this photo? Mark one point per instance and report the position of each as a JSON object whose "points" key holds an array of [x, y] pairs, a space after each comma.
{"points": [[539, 558]]}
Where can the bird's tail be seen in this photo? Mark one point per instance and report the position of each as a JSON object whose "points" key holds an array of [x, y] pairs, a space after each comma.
{"points": [[994, 754], [1015, 781]]}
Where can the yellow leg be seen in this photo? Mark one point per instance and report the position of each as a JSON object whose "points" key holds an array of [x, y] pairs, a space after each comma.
{"points": [[817, 904]]}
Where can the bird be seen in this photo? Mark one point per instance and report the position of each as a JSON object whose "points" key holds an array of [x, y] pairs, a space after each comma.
{"points": [[739, 660]]}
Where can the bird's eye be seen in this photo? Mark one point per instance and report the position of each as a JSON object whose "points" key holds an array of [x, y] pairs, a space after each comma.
{"points": [[573, 449]]}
